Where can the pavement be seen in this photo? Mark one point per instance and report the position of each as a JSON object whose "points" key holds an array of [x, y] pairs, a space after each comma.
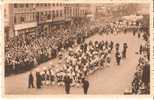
{"points": [[113, 80]]}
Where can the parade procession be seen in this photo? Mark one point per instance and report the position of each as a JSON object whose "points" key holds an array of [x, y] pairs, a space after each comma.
{"points": [[77, 49]]}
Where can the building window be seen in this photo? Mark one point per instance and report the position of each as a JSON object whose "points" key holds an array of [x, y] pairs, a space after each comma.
{"points": [[22, 19], [27, 5], [57, 13], [15, 20], [46, 13], [15, 5], [53, 4], [60, 4], [21, 5], [70, 12], [5, 13], [31, 5], [61, 13], [31, 17], [53, 13], [34, 18], [48, 16]]}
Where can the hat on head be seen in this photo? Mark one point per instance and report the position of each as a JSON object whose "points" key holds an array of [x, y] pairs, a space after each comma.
{"points": [[37, 70]]}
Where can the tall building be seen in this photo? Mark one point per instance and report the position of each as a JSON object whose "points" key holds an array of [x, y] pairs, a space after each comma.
{"points": [[76, 10], [24, 18], [27, 18]]}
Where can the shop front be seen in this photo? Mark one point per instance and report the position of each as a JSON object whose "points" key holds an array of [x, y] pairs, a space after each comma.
{"points": [[25, 28]]}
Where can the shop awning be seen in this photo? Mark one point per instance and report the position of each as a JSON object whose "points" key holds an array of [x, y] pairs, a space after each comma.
{"points": [[25, 25]]}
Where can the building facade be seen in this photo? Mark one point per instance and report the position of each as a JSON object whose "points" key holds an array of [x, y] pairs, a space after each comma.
{"points": [[26, 18]]}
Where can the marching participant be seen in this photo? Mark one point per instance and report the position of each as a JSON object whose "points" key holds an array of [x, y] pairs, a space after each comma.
{"points": [[118, 57], [124, 51]]}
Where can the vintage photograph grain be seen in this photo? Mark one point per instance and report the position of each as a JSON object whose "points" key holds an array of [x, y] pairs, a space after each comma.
{"points": [[77, 49]]}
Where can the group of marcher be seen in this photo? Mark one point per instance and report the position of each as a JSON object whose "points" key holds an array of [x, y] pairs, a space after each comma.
{"points": [[77, 64], [122, 26], [24, 52], [48, 79]]}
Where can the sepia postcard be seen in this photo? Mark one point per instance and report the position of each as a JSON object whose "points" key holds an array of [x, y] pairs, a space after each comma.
{"points": [[62, 48]]}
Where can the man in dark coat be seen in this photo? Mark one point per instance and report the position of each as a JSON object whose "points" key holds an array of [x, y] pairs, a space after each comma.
{"points": [[111, 45], [30, 80], [85, 85], [124, 50], [38, 80], [118, 58], [117, 45], [67, 82]]}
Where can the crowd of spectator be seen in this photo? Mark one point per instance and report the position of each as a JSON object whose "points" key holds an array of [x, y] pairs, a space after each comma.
{"points": [[25, 51]]}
